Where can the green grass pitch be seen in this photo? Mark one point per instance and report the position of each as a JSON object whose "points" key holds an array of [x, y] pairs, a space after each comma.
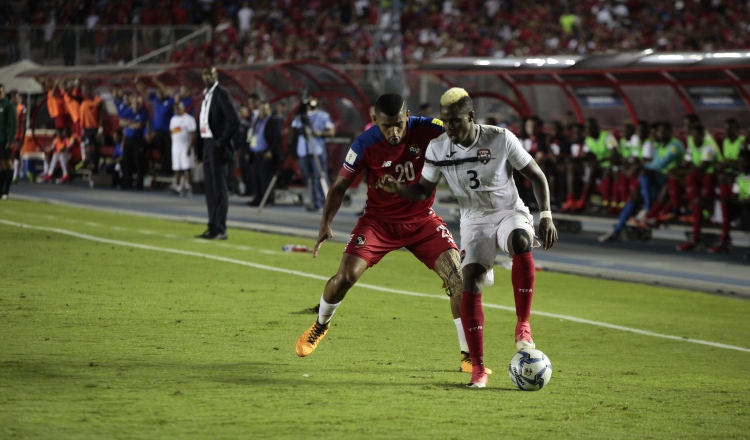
{"points": [[118, 326]]}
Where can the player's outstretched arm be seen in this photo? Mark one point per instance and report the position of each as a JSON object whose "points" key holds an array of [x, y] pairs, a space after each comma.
{"points": [[333, 202], [547, 231], [416, 192]]}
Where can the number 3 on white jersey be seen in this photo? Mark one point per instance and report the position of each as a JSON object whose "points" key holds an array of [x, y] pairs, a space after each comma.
{"points": [[473, 181], [405, 170]]}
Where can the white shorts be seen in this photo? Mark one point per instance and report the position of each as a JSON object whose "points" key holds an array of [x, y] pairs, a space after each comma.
{"points": [[181, 161], [482, 238]]}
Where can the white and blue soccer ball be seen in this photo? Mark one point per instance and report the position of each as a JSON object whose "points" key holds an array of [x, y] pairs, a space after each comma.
{"points": [[530, 369]]}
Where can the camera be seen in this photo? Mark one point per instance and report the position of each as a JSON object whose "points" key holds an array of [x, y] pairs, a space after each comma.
{"points": [[307, 103]]}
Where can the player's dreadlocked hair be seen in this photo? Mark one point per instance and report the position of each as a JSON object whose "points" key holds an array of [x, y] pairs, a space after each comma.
{"points": [[390, 104], [457, 97]]}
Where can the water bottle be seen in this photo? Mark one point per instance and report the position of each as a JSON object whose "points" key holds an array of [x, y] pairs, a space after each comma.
{"points": [[295, 248]]}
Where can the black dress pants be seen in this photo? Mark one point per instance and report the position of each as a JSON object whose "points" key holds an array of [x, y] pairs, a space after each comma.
{"points": [[133, 160], [215, 172]]}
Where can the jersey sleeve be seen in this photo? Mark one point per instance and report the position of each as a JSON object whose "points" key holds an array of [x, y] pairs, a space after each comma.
{"points": [[585, 145], [328, 122], [611, 142], [430, 172], [430, 128], [353, 160], [190, 123], [517, 156], [647, 151], [708, 153]]}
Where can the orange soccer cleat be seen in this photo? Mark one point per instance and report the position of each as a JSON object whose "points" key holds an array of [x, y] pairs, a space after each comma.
{"points": [[466, 364], [310, 338]]}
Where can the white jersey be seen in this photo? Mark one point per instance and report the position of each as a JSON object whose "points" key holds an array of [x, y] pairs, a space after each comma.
{"points": [[480, 175], [181, 126]]}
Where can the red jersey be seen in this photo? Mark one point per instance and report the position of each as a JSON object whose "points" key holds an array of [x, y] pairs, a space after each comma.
{"points": [[371, 152]]}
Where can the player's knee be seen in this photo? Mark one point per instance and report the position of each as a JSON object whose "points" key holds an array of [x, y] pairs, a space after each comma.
{"points": [[447, 267], [473, 276], [344, 280], [520, 241]]}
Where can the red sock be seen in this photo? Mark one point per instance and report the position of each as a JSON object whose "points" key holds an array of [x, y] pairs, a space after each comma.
{"points": [[623, 188], [606, 189], [523, 276], [697, 221], [674, 192], [654, 211], [708, 189], [472, 319], [692, 186], [725, 191], [724, 222], [634, 185]]}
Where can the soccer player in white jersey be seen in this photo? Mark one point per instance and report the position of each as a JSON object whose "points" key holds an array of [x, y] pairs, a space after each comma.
{"points": [[478, 162]]}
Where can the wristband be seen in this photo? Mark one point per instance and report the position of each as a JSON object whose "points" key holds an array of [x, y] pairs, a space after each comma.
{"points": [[545, 214]]}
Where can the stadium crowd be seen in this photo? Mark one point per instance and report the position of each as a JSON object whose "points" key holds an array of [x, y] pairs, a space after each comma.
{"points": [[346, 31]]}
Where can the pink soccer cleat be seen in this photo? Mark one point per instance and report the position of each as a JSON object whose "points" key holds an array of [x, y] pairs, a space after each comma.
{"points": [[479, 377], [523, 336]]}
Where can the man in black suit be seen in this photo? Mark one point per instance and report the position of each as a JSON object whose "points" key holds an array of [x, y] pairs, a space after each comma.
{"points": [[218, 123], [265, 147]]}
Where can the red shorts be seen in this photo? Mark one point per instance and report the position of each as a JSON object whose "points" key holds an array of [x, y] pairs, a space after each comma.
{"points": [[371, 239], [63, 121]]}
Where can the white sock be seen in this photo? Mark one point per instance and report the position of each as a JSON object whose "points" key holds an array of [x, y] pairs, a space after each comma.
{"points": [[46, 165], [64, 157], [53, 163], [16, 168], [326, 311], [461, 336]]}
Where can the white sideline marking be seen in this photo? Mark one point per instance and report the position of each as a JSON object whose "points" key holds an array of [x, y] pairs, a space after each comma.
{"points": [[93, 224], [363, 285]]}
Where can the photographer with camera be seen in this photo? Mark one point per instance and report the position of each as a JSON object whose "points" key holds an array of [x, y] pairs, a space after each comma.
{"points": [[311, 126]]}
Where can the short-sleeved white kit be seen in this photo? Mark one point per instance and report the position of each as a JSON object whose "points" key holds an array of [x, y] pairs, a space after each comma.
{"points": [[481, 177], [181, 126]]}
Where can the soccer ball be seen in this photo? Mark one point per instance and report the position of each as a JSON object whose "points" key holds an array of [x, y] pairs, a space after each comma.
{"points": [[530, 369]]}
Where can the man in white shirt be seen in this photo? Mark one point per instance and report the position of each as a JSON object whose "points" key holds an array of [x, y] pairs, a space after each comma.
{"points": [[244, 17], [182, 126], [477, 161]]}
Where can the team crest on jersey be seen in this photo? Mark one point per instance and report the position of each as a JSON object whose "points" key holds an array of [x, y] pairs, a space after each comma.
{"points": [[360, 240], [414, 150], [484, 155]]}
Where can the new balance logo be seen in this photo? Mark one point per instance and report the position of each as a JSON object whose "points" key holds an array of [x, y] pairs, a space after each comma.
{"points": [[525, 290], [387, 163], [471, 329]]}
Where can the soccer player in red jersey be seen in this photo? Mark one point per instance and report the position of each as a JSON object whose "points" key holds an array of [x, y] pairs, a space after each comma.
{"points": [[396, 145]]}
